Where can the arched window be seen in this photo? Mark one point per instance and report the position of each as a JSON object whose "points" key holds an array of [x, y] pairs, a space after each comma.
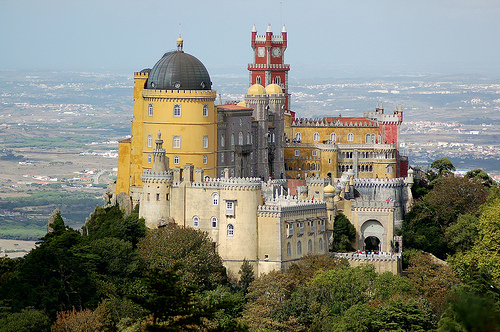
{"points": [[196, 221], [350, 137], [215, 199], [230, 230], [205, 141], [232, 139], [320, 244], [249, 139], [333, 137], [214, 222], [373, 138], [205, 110], [277, 80], [299, 248], [298, 137], [150, 158], [368, 138], [310, 246], [316, 137], [177, 160], [222, 140], [222, 157], [150, 109], [258, 80], [288, 249], [205, 159], [150, 141], [240, 138]]}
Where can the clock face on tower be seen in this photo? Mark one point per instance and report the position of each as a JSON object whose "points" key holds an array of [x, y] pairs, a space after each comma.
{"points": [[276, 52], [261, 51]]}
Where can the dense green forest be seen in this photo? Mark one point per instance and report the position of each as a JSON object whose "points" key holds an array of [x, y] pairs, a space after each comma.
{"points": [[116, 275]]}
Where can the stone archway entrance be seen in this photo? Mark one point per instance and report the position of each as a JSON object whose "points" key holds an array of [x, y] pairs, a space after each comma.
{"points": [[373, 235], [372, 243]]}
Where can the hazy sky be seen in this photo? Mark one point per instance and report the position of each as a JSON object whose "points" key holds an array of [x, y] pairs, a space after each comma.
{"points": [[326, 37]]}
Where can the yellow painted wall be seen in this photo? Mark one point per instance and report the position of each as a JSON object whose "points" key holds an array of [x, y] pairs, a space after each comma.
{"points": [[123, 179]]}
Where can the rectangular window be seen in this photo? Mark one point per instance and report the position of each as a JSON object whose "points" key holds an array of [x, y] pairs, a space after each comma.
{"points": [[150, 109], [177, 110], [150, 141], [176, 141], [230, 208], [222, 157], [205, 159], [177, 160], [315, 153], [297, 153], [157, 197], [150, 158], [205, 141], [290, 229], [205, 110]]}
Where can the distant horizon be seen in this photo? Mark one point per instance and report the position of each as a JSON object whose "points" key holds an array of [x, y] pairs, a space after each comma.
{"points": [[325, 38]]}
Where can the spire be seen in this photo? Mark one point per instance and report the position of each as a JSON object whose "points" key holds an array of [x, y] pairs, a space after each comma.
{"points": [[159, 164], [180, 41], [269, 28], [254, 29], [284, 28]]}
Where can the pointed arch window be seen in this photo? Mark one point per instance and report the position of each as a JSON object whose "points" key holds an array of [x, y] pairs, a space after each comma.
{"points": [[288, 249], [333, 137], [316, 137], [299, 248], [240, 138], [350, 137], [298, 137]]}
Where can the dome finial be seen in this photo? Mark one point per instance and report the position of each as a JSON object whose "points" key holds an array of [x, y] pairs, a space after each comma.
{"points": [[180, 41]]}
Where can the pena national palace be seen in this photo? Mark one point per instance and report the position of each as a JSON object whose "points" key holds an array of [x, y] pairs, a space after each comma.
{"points": [[265, 184]]}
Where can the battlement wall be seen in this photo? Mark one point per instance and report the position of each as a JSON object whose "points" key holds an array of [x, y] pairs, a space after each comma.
{"points": [[304, 122], [231, 183], [149, 176], [383, 262]]}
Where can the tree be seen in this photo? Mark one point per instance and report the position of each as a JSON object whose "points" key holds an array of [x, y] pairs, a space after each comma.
{"points": [[344, 234], [432, 280], [77, 321], [426, 223], [460, 236], [187, 250], [443, 165], [246, 276], [485, 253], [28, 320], [401, 315], [480, 176]]}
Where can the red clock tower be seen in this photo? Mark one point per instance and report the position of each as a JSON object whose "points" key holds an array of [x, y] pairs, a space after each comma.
{"points": [[268, 66]]}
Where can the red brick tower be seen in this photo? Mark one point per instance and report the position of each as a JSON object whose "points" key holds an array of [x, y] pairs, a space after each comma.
{"points": [[268, 66]]}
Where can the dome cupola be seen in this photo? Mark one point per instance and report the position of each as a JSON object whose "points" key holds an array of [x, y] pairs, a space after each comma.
{"points": [[177, 70]]}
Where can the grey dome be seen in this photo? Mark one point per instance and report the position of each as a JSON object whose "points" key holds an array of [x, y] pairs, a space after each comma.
{"points": [[179, 71]]}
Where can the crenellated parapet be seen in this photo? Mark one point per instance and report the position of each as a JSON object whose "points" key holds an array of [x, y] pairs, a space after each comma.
{"points": [[230, 183], [304, 122], [178, 95], [389, 257], [294, 206], [318, 181], [382, 182], [141, 74], [373, 206], [149, 176]]}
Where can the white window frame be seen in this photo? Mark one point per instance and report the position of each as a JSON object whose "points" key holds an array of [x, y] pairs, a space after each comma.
{"points": [[205, 159], [222, 140], [350, 137], [215, 199], [222, 157], [196, 221], [177, 111], [316, 136], [298, 136], [288, 249], [230, 230], [150, 109], [150, 141], [230, 208], [297, 153], [213, 222], [205, 141], [249, 139], [177, 160], [176, 141], [150, 158], [333, 137], [240, 138], [315, 153], [299, 248], [205, 110], [232, 139]]}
